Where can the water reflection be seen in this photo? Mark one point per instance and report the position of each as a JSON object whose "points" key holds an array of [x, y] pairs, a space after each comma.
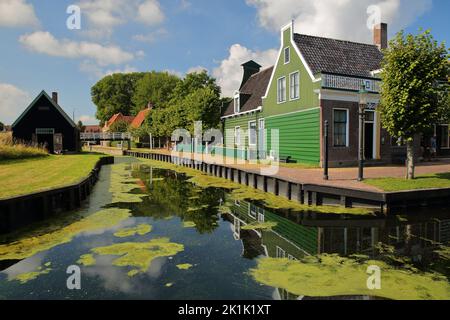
{"points": [[220, 247]]}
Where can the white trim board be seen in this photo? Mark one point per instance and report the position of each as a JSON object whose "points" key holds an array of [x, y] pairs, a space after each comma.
{"points": [[289, 113], [58, 108]]}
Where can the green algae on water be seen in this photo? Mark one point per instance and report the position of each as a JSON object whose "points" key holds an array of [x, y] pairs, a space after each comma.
{"points": [[87, 260], [39, 242], [189, 224], [331, 275], [184, 266], [260, 226], [141, 230], [241, 193], [24, 278], [139, 255]]}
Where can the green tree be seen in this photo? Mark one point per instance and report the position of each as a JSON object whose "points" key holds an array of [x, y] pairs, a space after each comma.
{"points": [[80, 126], [155, 87], [114, 94], [119, 126], [411, 94]]}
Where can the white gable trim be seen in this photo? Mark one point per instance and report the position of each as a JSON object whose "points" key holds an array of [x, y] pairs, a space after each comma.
{"points": [[60, 110], [302, 59]]}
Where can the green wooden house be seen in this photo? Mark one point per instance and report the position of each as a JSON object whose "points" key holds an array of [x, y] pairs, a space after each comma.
{"points": [[279, 112]]}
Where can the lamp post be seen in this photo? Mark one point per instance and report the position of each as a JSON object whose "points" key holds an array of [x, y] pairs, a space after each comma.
{"points": [[326, 151], [363, 93]]}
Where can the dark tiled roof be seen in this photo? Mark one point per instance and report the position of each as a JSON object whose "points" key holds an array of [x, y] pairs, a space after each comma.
{"points": [[337, 56], [254, 89]]}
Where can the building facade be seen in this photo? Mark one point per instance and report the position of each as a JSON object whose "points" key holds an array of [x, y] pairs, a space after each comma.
{"points": [[44, 122], [313, 80]]}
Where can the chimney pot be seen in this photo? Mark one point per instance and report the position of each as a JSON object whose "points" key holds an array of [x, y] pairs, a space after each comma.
{"points": [[55, 97], [250, 68], [380, 35]]}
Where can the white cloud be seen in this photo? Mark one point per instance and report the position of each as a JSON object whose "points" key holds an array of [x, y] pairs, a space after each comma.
{"points": [[13, 101], [88, 120], [17, 13], [103, 16], [46, 43], [342, 19], [96, 72], [152, 36], [197, 69], [229, 73], [150, 13]]}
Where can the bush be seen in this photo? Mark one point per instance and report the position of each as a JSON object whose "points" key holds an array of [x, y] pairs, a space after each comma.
{"points": [[10, 149]]}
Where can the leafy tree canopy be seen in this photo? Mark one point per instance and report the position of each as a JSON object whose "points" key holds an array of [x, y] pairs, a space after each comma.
{"points": [[413, 97], [154, 87], [119, 126], [114, 94]]}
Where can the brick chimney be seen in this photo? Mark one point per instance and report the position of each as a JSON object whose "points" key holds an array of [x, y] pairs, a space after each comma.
{"points": [[380, 35], [55, 97], [250, 68]]}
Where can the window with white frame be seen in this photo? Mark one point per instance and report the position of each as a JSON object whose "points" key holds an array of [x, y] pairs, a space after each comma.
{"points": [[237, 136], [281, 253], [252, 133], [295, 85], [237, 103], [282, 90], [340, 128], [287, 55], [252, 211]]}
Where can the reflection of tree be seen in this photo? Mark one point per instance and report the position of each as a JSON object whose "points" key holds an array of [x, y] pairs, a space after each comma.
{"points": [[170, 194]]}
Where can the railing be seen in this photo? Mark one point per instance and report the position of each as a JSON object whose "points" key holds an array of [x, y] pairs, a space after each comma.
{"points": [[105, 136], [341, 82]]}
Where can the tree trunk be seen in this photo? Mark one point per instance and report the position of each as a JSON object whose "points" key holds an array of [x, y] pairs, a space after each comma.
{"points": [[410, 159]]}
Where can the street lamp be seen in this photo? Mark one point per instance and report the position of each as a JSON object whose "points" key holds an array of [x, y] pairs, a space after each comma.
{"points": [[363, 94]]}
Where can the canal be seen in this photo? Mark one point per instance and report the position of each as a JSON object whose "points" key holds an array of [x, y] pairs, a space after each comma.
{"points": [[150, 232]]}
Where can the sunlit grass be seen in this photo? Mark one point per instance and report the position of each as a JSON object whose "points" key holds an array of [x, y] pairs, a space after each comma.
{"points": [[10, 149], [33, 175], [432, 181]]}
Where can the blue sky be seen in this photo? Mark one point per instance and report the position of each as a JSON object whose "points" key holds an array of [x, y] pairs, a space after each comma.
{"points": [[40, 52]]}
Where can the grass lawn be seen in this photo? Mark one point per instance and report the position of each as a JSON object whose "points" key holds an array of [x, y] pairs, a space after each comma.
{"points": [[433, 181], [19, 177]]}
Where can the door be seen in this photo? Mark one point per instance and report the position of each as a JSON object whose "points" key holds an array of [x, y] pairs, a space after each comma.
{"points": [[262, 139], [58, 143], [442, 138], [369, 135]]}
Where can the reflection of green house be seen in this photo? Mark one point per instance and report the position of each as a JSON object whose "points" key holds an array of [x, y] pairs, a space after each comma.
{"points": [[286, 240]]}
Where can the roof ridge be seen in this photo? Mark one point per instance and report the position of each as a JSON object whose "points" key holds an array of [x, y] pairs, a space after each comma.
{"points": [[263, 70], [334, 39]]}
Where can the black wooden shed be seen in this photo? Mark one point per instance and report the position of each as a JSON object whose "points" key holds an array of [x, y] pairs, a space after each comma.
{"points": [[45, 122]]}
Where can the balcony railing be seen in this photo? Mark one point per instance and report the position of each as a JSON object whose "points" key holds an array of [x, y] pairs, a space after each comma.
{"points": [[341, 82], [105, 136]]}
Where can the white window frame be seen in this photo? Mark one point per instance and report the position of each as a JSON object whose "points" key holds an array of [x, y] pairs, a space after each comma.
{"points": [[252, 213], [280, 252], [347, 136], [290, 85], [237, 142], [237, 106], [279, 101], [250, 133], [288, 56]]}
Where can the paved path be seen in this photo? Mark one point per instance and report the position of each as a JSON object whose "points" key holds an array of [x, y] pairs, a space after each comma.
{"points": [[339, 177]]}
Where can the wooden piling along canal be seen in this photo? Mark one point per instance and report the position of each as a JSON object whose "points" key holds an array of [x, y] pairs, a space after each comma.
{"points": [[310, 194], [20, 211]]}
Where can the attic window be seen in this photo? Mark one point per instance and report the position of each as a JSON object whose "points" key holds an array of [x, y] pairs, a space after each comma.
{"points": [[287, 55], [237, 103], [44, 108]]}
